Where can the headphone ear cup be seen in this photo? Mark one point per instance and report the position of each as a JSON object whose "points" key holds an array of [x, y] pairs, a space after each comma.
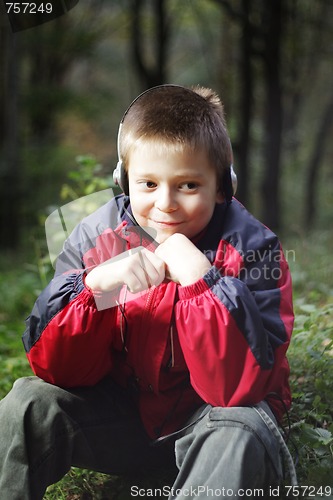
{"points": [[227, 185], [115, 175], [234, 181], [120, 178]]}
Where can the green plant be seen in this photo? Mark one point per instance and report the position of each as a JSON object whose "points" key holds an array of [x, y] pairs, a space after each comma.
{"points": [[18, 290], [311, 359], [87, 178]]}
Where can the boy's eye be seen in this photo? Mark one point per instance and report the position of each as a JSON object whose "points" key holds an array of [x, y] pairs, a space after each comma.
{"points": [[150, 184], [189, 186]]}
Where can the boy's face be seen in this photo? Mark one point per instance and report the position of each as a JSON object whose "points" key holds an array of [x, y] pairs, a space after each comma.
{"points": [[171, 191]]}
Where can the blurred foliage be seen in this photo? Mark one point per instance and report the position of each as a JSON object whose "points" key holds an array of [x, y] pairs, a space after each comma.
{"points": [[85, 179], [75, 77]]}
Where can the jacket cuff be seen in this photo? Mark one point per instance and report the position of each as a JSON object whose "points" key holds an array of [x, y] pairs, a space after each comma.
{"points": [[200, 286], [103, 300], [79, 283]]}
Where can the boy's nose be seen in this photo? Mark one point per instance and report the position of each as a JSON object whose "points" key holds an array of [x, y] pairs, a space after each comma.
{"points": [[165, 200]]}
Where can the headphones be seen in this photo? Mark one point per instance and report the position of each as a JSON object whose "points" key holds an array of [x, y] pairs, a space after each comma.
{"points": [[120, 178]]}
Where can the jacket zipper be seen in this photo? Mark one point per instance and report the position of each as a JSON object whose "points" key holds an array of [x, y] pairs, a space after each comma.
{"points": [[149, 301]]}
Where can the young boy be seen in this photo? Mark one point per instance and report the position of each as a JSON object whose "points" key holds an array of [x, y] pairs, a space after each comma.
{"points": [[162, 338]]}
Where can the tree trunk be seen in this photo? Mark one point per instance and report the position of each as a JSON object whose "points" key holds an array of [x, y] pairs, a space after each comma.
{"points": [[312, 174], [246, 97], [242, 16], [154, 73], [273, 21], [9, 147]]}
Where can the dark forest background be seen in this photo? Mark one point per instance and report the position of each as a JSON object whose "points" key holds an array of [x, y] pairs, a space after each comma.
{"points": [[65, 84]]}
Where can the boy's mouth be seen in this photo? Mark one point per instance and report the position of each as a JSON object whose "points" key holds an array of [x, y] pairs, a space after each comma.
{"points": [[166, 223]]}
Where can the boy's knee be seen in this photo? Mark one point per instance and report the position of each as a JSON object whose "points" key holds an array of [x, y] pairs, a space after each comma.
{"points": [[14, 405], [33, 403], [26, 388], [244, 434], [24, 382], [26, 392], [233, 435]]}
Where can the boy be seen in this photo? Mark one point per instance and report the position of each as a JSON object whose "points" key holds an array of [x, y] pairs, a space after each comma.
{"points": [[166, 324]]}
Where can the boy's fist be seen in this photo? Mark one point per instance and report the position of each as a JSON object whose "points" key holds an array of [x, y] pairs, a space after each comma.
{"points": [[139, 269], [185, 264]]}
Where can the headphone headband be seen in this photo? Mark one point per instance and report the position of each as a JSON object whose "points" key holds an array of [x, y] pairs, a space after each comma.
{"points": [[120, 178]]}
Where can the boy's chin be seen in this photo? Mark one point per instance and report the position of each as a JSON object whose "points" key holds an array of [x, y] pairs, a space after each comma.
{"points": [[159, 236], [162, 236]]}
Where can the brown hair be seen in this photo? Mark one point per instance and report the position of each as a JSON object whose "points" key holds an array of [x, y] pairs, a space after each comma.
{"points": [[181, 118]]}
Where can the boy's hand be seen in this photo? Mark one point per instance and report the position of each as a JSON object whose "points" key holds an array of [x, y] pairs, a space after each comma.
{"points": [[185, 264], [139, 269]]}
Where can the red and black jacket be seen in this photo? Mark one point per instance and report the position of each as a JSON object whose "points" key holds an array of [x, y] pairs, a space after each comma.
{"points": [[221, 340]]}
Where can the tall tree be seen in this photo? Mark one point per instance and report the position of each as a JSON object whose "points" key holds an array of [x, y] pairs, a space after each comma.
{"points": [[33, 91], [241, 14], [272, 30], [324, 132], [246, 99], [151, 69], [10, 172], [261, 27]]}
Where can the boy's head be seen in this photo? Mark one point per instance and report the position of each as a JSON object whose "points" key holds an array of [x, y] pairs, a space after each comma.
{"points": [[178, 119]]}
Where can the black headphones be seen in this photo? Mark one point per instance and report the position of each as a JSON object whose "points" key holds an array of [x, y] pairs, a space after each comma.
{"points": [[120, 177]]}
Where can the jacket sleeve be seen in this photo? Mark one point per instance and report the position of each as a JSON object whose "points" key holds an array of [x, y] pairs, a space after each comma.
{"points": [[68, 338], [234, 328]]}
